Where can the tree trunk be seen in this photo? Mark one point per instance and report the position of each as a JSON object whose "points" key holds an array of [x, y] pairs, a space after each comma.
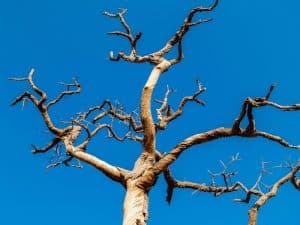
{"points": [[252, 216], [135, 205]]}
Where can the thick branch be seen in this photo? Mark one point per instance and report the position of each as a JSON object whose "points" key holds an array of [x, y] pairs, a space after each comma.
{"points": [[115, 173], [211, 135], [145, 106]]}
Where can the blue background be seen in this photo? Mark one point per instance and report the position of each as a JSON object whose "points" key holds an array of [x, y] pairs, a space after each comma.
{"points": [[248, 46]]}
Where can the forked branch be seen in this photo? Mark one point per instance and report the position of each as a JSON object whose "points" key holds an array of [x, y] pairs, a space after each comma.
{"points": [[39, 103], [68, 135], [179, 35], [236, 130], [262, 197], [253, 212], [165, 114], [106, 108], [158, 56], [150, 164], [217, 190], [133, 39]]}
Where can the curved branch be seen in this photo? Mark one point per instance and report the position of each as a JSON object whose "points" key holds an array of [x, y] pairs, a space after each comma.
{"points": [[250, 103], [70, 134], [145, 106], [179, 35], [157, 57], [67, 92], [52, 144], [43, 109], [170, 157], [115, 173], [276, 138], [211, 135]]}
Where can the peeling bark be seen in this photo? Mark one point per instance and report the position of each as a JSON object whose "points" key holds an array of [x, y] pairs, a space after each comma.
{"points": [[135, 208]]}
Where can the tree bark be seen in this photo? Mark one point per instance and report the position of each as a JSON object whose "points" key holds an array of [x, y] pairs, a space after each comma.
{"points": [[145, 106], [135, 207], [252, 216]]}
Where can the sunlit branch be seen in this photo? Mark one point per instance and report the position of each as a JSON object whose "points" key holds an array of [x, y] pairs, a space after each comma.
{"points": [[71, 133], [158, 56], [211, 135], [115, 173], [39, 103]]}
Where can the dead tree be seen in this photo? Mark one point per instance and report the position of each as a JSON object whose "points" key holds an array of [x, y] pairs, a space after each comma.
{"points": [[70, 143]]}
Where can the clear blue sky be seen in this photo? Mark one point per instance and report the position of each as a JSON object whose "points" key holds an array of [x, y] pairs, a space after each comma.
{"points": [[248, 46]]}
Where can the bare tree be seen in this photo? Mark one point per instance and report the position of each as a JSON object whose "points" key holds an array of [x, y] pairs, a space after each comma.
{"points": [[70, 143]]}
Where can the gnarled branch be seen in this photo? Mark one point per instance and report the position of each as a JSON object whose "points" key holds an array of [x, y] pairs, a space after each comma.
{"points": [[69, 134], [39, 103], [236, 130], [158, 56], [132, 57]]}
